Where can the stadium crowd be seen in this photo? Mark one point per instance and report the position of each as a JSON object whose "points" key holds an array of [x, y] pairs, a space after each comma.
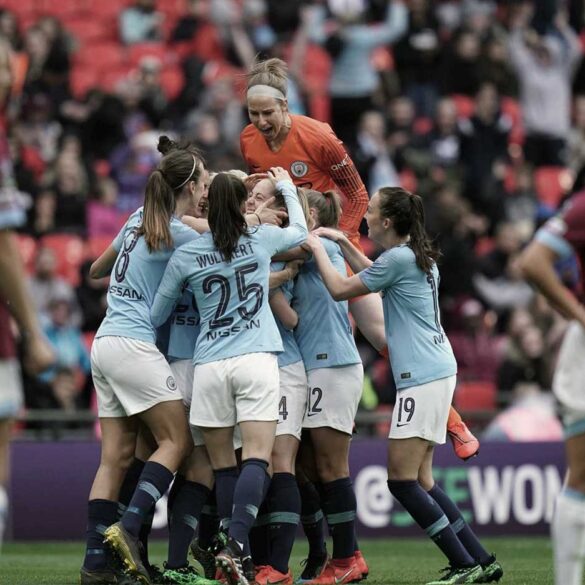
{"points": [[476, 105]]}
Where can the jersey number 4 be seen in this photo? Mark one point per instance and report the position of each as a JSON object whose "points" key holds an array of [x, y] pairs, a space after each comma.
{"points": [[245, 292]]}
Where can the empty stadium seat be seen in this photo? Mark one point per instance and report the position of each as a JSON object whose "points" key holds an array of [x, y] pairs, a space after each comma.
{"points": [[551, 183], [88, 337], [86, 30], [464, 104], [172, 81], [140, 50], [106, 8], [62, 9], [81, 80], [408, 180], [69, 250], [96, 245], [474, 396]]}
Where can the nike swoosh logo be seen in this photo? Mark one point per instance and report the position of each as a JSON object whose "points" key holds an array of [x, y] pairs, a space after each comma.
{"points": [[401, 425], [341, 579]]}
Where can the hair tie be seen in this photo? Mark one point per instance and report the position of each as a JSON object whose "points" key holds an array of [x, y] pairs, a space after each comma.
{"points": [[189, 177]]}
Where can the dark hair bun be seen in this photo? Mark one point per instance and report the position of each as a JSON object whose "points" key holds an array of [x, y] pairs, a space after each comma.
{"points": [[166, 145]]}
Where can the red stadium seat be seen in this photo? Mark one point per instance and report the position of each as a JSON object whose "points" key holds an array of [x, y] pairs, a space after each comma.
{"points": [[408, 180], [140, 50], [422, 125], [464, 104], [27, 246], [484, 246], [101, 56], [551, 183], [368, 246], [172, 81], [473, 396], [86, 30], [96, 245], [106, 9], [88, 337], [21, 7], [69, 250], [82, 79], [62, 9]]}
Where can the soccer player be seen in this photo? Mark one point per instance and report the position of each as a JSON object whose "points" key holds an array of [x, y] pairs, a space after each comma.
{"points": [[424, 370], [236, 369], [318, 160], [558, 239], [132, 378], [335, 377]]}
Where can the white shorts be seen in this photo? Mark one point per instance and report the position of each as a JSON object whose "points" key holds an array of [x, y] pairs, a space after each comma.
{"points": [[237, 389], [184, 371], [333, 397], [130, 376], [569, 380], [11, 396], [422, 411], [293, 400]]}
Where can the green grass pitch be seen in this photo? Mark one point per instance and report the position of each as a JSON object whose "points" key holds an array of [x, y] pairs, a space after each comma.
{"points": [[526, 561]]}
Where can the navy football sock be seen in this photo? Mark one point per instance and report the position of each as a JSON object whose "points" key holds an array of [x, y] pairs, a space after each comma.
{"points": [[460, 527], [225, 485], [176, 486], [431, 518], [247, 498], [340, 510], [312, 519], [144, 534], [187, 505], [100, 515], [259, 537], [284, 505], [208, 522], [153, 483], [129, 484]]}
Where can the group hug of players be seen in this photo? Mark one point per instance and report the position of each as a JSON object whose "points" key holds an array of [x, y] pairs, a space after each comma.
{"points": [[226, 366]]}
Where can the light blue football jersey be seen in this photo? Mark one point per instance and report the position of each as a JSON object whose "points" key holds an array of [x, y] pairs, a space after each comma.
{"points": [[324, 334], [135, 279], [290, 353], [184, 328], [419, 349], [232, 297]]}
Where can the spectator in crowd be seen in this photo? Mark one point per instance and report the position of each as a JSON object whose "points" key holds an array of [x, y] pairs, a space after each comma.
{"points": [[103, 217], [459, 73], [91, 295], [525, 359], [66, 339], [484, 152], [495, 66], [9, 29], [350, 41], [372, 155], [45, 286], [141, 23], [531, 417], [477, 348], [521, 203], [42, 218], [401, 116], [196, 13], [418, 55], [544, 65], [576, 141]]}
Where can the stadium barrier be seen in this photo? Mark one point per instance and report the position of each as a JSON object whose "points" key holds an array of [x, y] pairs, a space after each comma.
{"points": [[509, 489]]}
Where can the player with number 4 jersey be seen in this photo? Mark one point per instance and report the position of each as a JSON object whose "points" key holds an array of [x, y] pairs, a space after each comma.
{"points": [[424, 370]]}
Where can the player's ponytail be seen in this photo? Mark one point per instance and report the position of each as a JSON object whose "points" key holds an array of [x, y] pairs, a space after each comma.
{"points": [[227, 195], [179, 166], [407, 213], [327, 205], [272, 73]]}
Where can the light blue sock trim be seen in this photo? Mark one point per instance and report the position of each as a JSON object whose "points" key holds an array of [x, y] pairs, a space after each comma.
{"points": [[573, 494], [312, 518], [224, 523], [134, 510], [100, 529], [458, 525], [277, 518], [190, 521], [437, 526], [151, 490], [574, 429], [96, 551], [341, 517], [252, 510]]}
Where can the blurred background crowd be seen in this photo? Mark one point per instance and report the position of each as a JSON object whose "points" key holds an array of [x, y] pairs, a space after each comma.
{"points": [[477, 105]]}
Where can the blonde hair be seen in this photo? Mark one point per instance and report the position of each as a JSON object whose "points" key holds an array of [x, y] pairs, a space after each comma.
{"points": [[327, 205], [238, 174], [272, 72]]}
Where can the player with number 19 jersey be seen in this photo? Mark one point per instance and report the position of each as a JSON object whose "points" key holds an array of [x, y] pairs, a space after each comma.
{"points": [[420, 351]]}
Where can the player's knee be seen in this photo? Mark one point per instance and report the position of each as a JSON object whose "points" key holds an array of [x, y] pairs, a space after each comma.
{"points": [[282, 462], [330, 469]]}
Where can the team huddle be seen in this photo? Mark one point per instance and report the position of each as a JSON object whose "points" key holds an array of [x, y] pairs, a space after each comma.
{"points": [[226, 366]]}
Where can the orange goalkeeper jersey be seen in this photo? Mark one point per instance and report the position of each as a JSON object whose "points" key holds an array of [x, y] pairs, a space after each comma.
{"points": [[315, 158]]}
